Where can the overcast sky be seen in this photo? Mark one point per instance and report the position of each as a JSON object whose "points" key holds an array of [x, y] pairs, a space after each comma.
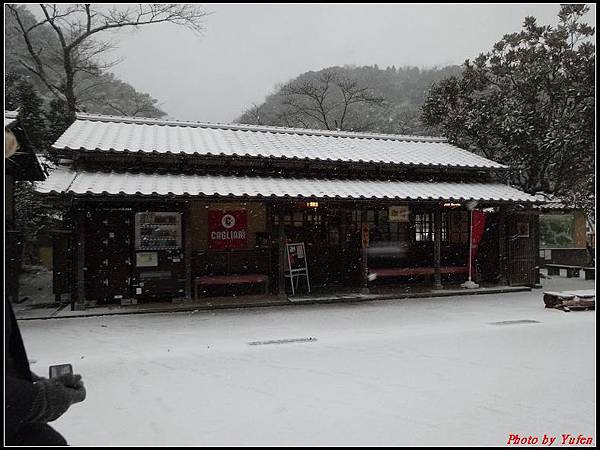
{"points": [[248, 49]]}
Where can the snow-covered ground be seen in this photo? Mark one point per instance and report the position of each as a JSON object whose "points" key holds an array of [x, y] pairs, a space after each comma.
{"points": [[421, 371]]}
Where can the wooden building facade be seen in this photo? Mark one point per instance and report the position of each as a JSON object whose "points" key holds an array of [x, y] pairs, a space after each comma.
{"points": [[177, 209]]}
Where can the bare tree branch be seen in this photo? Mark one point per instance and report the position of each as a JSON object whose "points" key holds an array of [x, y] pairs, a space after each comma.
{"points": [[326, 99], [76, 28]]}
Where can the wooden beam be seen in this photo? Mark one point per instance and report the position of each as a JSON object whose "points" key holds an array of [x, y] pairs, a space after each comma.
{"points": [[281, 255], [536, 247], [437, 247], [502, 253]]}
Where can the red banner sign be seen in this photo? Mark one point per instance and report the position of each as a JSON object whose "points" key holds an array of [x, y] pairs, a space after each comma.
{"points": [[478, 226], [227, 229]]}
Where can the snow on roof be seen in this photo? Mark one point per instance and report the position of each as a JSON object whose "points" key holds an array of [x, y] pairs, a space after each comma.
{"points": [[551, 202], [9, 117], [130, 134], [65, 180]]}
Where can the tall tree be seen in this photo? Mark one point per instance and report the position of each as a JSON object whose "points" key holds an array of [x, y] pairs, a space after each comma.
{"points": [[529, 103], [34, 215], [75, 47], [403, 90], [325, 100], [21, 95]]}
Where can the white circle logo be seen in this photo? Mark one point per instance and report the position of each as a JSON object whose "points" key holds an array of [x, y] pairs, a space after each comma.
{"points": [[228, 221]]}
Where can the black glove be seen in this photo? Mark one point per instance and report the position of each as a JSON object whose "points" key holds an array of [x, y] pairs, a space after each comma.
{"points": [[73, 381], [55, 396]]}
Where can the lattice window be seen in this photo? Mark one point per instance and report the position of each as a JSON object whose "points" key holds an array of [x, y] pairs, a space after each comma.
{"points": [[425, 229]]}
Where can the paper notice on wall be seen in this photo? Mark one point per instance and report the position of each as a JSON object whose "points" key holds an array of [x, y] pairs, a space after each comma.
{"points": [[398, 213]]}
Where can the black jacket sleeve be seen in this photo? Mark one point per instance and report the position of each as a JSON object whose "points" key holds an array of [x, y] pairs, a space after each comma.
{"points": [[19, 402]]}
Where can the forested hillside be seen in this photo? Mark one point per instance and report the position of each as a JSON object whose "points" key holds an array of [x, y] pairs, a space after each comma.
{"points": [[351, 98]]}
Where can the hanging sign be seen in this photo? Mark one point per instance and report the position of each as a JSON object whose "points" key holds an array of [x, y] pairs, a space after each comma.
{"points": [[227, 229], [365, 235], [398, 213]]}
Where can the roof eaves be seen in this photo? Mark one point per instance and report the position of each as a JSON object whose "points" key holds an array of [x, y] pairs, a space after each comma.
{"points": [[492, 166]]}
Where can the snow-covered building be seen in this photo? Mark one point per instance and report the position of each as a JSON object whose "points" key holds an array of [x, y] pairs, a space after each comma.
{"points": [[173, 209], [567, 234]]}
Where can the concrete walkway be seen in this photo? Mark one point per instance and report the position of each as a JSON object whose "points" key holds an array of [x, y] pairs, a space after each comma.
{"points": [[34, 312]]}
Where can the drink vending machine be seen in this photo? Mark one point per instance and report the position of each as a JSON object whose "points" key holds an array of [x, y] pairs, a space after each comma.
{"points": [[159, 269]]}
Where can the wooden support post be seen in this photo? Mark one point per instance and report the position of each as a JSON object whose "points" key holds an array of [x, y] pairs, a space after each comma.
{"points": [[536, 244], [502, 259], [437, 247], [364, 258], [281, 256], [187, 239]]}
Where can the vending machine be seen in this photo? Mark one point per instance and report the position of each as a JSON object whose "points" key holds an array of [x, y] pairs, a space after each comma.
{"points": [[159, 267]]}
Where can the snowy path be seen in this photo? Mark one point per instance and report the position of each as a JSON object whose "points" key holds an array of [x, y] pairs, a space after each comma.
{"points": [[422, 371]]}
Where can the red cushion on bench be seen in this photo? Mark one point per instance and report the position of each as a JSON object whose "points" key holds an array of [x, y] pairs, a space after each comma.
{"points": [[232, 279], [401, 271]]}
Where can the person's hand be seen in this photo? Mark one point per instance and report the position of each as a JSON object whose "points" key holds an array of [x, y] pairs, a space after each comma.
{"points": [[70, 380], [55, 396], [74, 383]]}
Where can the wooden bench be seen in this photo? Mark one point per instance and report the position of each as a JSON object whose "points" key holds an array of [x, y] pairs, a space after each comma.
{"points": [[214, 280], [571, 300], [408, 271], [572, 271]]}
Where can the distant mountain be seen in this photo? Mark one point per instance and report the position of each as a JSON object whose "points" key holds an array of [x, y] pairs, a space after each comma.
{"points": [[403, 91]]}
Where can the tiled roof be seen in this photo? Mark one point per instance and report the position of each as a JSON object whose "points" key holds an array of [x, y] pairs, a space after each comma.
{"points": [[113, 183], [551, 202], [121, 134], [9, 117]]}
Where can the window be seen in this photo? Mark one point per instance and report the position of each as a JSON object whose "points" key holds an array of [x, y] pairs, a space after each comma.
{"points": [[425, 230], [444, 227], [381, 229], [459, 227], [424, 227]]}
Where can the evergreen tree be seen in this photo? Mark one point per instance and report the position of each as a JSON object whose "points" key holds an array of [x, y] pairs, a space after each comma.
{"points": [[529, 103]]}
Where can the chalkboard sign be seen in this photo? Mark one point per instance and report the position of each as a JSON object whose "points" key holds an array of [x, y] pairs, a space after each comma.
{"points": [[296, 264]]}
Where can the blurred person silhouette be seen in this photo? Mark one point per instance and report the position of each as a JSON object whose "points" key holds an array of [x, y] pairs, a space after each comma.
{"points": [[30, 401]]}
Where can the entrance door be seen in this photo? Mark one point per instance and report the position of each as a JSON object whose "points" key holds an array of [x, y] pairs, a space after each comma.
{"points": [[523, 248], [108, 255], [320, 230]]}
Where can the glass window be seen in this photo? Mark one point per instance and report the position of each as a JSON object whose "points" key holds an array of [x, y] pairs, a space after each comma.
{"points": [[298, 219], [425, 229], [458, 224]]}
